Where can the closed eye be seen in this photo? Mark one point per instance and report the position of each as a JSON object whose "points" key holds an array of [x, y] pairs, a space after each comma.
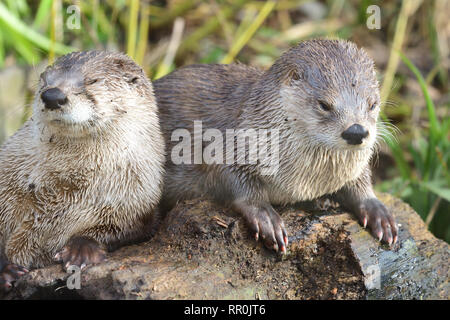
{"points": [[90, 81]]}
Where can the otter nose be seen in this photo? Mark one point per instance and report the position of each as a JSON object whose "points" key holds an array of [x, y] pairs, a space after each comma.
{"points": [[355, 134], [53, 98]]}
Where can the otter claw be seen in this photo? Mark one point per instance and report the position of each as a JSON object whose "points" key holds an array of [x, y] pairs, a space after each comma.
{"points": [[380, 236], [10, 273], [81, 251], [380, 221], [286, 241], [265, 223], [390, 241]]}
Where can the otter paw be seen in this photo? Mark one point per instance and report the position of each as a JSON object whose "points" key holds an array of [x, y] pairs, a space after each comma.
{"points": [[267, 225], [81, 251], [9, 274], [373, 213]]}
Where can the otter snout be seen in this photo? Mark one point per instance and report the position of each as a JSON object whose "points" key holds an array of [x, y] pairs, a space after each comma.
{"points": [[53, 98], [355, 134]]}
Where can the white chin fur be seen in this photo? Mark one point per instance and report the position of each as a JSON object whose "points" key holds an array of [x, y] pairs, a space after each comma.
{"points": [[75, 118], [79, 116]]}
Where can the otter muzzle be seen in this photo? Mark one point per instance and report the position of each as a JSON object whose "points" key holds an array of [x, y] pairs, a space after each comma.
{"points": [[53, 98], [355, 134]]}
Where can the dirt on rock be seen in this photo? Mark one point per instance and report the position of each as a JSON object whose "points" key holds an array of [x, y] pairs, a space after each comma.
{"points": [[203, 251], [319, 264]]}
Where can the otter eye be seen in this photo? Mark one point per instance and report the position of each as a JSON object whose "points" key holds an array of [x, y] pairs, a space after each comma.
{"points": [[373, 106], [91, 81], [134, 80], [324, 106]]}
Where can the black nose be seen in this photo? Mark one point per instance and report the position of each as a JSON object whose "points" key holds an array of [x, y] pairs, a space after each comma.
{"points": [[53, 98], [355, 134]]}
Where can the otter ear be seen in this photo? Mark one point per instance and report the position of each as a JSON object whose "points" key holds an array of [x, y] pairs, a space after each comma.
{"points": [[132, 79], [291, 76], [130, 71], [121, 63]]}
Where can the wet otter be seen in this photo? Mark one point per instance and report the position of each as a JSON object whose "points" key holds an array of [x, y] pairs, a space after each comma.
{"points": [[321, 96], [84, 173]]}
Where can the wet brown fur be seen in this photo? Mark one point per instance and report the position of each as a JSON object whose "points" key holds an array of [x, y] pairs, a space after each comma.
{"points": [[314, 159]]}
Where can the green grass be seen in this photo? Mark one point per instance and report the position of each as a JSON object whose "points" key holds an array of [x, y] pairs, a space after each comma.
{"points": [[425, 181], [24, 38]]}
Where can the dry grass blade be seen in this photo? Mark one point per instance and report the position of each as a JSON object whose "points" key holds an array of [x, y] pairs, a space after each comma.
{"points": [[248, 34], [407, 9], [132, 28], [174, 44]]}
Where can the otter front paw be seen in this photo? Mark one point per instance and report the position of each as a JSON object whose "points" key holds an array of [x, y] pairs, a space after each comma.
{"points": [[373, 213], [267, 225], [9, 274], [81, 251]]}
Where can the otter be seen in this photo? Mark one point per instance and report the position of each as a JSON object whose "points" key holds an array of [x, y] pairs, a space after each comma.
{"points": [[83, 175], [323, 98]]}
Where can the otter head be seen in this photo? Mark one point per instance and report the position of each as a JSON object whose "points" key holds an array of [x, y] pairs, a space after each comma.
{"points": [[84, 93], [329, 93]]}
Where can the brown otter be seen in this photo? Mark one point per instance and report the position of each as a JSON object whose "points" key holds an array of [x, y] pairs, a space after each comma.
{"points": [[84, 173], [323, 98]]}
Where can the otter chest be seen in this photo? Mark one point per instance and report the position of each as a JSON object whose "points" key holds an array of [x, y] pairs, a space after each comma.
{"points": [[314, 174]]}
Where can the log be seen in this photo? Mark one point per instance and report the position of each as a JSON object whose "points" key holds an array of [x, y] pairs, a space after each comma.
{"points": [[203, 251]]}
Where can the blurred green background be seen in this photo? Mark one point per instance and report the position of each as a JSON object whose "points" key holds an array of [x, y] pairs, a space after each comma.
{"points": [[411, 51]]}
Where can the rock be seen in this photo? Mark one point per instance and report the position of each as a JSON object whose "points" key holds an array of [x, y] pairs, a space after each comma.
{"points": [[203, 251]]}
